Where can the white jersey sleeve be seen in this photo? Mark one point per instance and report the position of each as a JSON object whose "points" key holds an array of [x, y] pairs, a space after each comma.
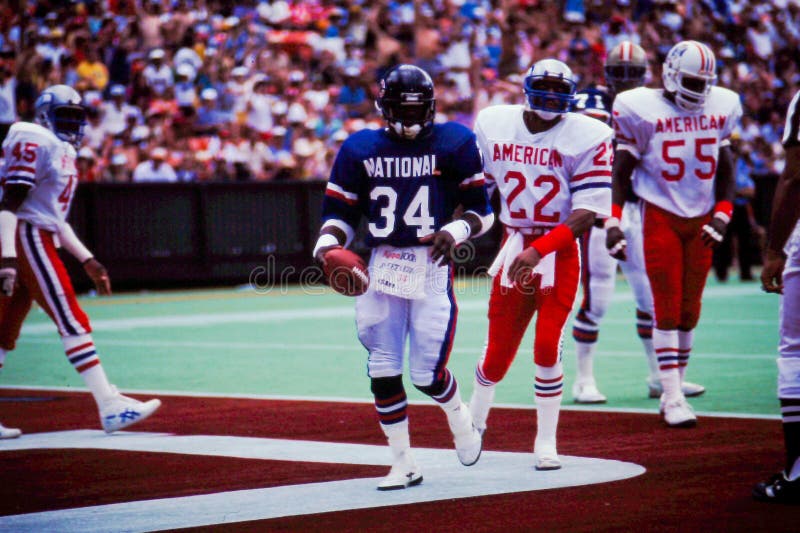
{"points": [[589, 165]]}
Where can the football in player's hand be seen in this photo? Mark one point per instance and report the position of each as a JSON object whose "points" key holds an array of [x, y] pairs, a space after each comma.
{"points": [[346, 272]]}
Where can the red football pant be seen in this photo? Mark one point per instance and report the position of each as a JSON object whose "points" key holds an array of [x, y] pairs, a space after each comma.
{"points": [[41, 276], [677, 264], [511, 310]]}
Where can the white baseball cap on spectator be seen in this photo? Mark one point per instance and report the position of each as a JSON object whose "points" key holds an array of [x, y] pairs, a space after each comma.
{"points": [[303, 147], [209, 93], [339, 136], [117, 90], [239, 72], [278, 131], [297, 113], [156, 53], [159, 152], [86, 153], [119, 159], [140, 133], [185, 70]]}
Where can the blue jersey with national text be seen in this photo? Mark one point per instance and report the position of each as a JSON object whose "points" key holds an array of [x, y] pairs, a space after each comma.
{"points": [[406, 189]]}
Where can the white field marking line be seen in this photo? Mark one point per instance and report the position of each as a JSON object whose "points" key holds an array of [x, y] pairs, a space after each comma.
{"points": [[355, 348], [444, 478], [277, 316], [370, 401]]}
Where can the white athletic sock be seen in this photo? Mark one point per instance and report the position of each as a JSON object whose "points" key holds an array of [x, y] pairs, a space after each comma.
{"points": [[652, 362], [665, 343], [398, 437], [685, 341], [481, 401], [549, 386], [584, 352], [82, 355]]}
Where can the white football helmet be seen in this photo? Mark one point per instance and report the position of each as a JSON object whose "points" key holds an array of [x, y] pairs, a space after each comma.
{"points": [[59, 109], [689, 73], [549, 88]]}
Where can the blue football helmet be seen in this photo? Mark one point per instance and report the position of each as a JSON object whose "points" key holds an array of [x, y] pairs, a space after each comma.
{"points": [[549, 88], [59, 109], [593, 102], [406, 100]]}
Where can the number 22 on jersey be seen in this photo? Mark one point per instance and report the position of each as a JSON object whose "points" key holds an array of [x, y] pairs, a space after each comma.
{"points": [[519, 204]]}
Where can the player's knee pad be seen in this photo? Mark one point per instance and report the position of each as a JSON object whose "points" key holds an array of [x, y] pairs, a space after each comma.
{"points": [[789, 377], [388, 387]]}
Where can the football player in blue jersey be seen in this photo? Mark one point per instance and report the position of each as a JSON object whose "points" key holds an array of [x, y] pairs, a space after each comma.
{"points": [[407, 180]]}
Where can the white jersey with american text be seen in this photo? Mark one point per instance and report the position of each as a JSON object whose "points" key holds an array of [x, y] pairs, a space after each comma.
{"points": [[678, 151], [36, 157], [543, 177]]}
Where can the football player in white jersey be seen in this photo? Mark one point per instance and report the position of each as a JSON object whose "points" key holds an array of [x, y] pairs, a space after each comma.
{"points": [[673, 150], [625, 68], [781, 274], [552, 169], [39, 181]]}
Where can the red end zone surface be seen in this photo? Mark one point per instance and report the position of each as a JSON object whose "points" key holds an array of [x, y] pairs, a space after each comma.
{"points": [[697, 479]]}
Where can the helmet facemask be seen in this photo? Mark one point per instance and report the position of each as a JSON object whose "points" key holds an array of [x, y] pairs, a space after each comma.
{"points": [[549, 89], [67, 122], [624, 77], [409, 114], [688, 74]]}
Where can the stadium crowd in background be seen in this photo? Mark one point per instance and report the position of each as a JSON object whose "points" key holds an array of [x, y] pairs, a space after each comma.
{"points": [[267, 90]]}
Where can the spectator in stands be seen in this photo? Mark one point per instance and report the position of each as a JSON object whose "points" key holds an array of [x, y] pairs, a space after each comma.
{"points": [[158, 75], [210, 119], [156, 168], [8, 93], [117, 169], [86, 165], [92, 72]]}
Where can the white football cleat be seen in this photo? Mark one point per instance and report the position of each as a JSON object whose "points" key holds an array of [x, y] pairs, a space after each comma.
{"points": [[404, 473], [586, 392], [467, 438], [9, 433], [546, 457], [119, 412], [678, 413], [689, 389]]}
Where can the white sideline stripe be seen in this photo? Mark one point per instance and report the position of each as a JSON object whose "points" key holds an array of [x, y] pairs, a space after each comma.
{"points": [[210, 319], [445, 478], [233, 345], [342, 399]]}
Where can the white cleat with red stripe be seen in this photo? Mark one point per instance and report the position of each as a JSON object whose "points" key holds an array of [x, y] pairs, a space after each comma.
{"points": [[119, 411]]}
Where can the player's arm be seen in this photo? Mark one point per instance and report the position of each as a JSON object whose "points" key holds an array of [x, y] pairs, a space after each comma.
{"points": [[625, 160], [94, 269], [13, 196], [340, 206], [563, 235], [724, 193], [475, 219], [785, 214]]}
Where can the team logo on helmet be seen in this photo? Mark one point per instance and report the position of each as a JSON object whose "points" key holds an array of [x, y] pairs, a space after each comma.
{"points": [[689, 73]]}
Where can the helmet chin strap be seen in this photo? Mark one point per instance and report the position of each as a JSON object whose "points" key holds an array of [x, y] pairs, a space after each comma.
{"points": [[407, 132]]}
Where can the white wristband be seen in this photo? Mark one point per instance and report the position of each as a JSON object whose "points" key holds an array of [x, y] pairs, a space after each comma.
{"points": [[326, 239], [459, 229], [723, 217], [8, 234], [611, 222]]}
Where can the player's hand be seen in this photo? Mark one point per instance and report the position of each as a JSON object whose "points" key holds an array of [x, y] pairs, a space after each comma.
{"points": [[442, 243], [99, 276], [772, 273], [616, 243], [714, 232], [521, 269], [8, 275]]}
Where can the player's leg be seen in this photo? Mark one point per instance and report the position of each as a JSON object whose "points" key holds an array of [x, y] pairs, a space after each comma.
{"points": [[784, 487], [696, 265], [510, 312], [12, 313], [382, 325], [554, 309], [599, 272], [636, 274], [52, 289], [431, 332], [663, 253]]}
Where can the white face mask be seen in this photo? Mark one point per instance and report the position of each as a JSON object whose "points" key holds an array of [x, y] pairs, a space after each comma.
{"points": [[407, 132], [546, 115]]}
